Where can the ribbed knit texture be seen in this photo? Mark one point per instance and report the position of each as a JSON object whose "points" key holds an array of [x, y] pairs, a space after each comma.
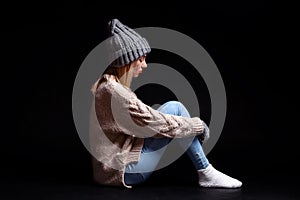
{"points": [[125, 44]]}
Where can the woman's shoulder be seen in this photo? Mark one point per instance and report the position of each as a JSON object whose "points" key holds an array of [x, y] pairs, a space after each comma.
{"points": [[108, 84]]}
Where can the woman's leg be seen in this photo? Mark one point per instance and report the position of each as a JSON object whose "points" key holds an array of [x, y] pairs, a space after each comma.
{"points": [[208, 175], [153, 150], [194, 150]]}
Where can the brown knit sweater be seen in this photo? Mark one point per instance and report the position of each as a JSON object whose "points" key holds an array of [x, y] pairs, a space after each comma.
{"points": [[119, 122]]}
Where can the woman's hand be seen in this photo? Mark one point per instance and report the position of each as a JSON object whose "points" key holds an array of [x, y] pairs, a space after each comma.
{"points": [[205, 135]]}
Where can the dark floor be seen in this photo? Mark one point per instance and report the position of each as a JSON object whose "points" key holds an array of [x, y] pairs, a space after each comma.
{"points": [[36, 188], [70, 178]]}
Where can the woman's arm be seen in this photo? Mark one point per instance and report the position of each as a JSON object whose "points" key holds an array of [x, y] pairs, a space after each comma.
{"points": [[143, 121]]}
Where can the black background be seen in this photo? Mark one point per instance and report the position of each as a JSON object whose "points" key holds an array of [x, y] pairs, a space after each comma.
{"points": [[252, 43]]}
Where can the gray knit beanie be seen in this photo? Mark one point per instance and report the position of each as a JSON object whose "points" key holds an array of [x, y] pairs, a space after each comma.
{"points": [[125, 44]]}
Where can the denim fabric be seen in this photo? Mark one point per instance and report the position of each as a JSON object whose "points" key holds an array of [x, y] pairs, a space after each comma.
{"points": [[154, 148]]}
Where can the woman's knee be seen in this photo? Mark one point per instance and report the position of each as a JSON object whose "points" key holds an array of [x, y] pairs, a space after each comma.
{"points": [[172, 104], [173, 107]]}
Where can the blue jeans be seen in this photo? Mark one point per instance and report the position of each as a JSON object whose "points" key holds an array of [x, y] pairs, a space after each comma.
{"points": [[154, 148]]}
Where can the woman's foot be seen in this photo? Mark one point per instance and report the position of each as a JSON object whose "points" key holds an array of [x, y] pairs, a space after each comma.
{"points": [[210, 177]]}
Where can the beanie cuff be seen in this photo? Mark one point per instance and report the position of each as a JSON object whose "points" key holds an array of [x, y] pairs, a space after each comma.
{"points": [[130, 53]]}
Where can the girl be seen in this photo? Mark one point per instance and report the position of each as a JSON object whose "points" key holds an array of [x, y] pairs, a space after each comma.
{"points": [[131, 136]]}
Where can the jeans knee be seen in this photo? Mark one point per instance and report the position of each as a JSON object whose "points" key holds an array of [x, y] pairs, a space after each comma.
{"points": [[173, 107], [174, 104]]}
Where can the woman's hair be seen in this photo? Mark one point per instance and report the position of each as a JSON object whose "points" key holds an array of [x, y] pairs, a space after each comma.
{"points": [[122, 74]]}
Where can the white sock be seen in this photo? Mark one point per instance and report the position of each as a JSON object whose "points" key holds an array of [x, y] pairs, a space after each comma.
{"points": [[210, 177]]}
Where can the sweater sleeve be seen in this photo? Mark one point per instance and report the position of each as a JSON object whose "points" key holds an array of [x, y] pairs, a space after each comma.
{"points": [[140, 120]]}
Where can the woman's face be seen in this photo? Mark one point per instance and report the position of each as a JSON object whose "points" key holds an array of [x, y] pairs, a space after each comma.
{"points": [[138, 66]]}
